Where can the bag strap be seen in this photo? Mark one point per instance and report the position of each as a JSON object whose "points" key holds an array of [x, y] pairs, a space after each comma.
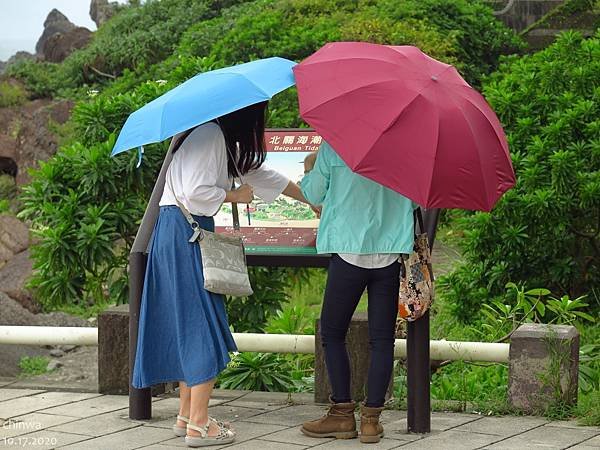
{"points": [[188, 216], [181, 139], [418, 219], [198, 233]]}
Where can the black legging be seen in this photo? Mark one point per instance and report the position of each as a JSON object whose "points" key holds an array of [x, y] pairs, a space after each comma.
{"points": [[345, 285]]}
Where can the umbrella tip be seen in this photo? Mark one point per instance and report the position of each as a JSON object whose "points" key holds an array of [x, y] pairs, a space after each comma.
{"points": [[434, 78]]}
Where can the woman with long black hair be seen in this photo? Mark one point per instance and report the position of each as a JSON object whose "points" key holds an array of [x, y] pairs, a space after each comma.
{"points": [[183, 330]]}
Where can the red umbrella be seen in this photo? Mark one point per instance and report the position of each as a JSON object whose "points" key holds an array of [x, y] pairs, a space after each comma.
{"points": [[408, 122]]}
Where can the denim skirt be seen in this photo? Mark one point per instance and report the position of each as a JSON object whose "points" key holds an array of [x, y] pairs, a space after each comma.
{"points": [[183, 332]]}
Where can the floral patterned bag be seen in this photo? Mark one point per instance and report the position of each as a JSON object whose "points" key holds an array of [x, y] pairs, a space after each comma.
{"points": [[416, 279]]}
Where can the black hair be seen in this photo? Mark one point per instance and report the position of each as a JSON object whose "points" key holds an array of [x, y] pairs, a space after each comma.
{"points": [[245, 126]]}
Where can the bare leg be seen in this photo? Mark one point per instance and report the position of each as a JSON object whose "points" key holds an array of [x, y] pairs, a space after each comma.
{"points": [[184, 402], [200, 395]]}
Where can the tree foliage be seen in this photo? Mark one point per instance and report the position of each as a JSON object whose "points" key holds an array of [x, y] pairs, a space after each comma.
{"points": [[545, 231], [85, 206]]}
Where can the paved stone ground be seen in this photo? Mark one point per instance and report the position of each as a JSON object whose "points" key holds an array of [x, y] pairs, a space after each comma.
{"points": [[42, 419]]}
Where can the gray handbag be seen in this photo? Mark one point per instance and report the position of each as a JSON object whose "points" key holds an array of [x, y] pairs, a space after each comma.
{"points": [[223, 257]]}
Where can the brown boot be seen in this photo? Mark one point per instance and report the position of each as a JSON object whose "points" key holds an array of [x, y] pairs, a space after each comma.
{"points": [[339, 423], [371, 430]]}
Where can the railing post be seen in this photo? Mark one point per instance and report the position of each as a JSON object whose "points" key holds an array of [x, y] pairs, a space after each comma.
{"points": [[140, 400], [418, 374]]}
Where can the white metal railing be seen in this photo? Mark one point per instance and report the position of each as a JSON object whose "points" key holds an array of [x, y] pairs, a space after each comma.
{"points": [[257, 342]]}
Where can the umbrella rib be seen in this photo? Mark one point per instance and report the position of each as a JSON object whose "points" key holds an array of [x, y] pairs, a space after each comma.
{"points": [[483, 177], [218, 74], [354, 89], [500, 138], [437, 142]]}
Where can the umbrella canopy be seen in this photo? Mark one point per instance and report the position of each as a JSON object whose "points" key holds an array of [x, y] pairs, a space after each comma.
{"points": [[204, 97], [407, 121]]}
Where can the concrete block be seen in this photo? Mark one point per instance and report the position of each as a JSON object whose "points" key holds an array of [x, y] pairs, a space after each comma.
{"points": [[46, 440], [294, 436], [113, 350], [502, 426], [266, 445], [544, 360], [113, 354], [98, 425], [290, 417], [30, 423], [131, 438], [453, 440], [357, 343], [91, 407], [25, 405], [8, 393], [545, 437]]}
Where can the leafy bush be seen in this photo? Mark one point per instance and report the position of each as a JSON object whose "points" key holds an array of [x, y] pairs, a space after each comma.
{"points": [[256, 372], [42, 79], [135, 38], [467, 383], [479, 38], [11, 94], [84, 207], [456, 31], [545, 231], [296, 319], [33, 365], [250, 314], [7, 187], [82, 184]]}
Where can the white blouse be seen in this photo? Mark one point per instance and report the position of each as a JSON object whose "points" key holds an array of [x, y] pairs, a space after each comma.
{"points": [[200, 178]]}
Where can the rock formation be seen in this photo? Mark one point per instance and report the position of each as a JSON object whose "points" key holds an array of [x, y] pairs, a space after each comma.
{"points": [[56, 22], [25, 135], [102, 10], [60, 37], [60, 45]]}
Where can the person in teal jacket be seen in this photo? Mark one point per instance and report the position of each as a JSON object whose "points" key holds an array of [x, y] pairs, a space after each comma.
{"points": [[366, 227]]}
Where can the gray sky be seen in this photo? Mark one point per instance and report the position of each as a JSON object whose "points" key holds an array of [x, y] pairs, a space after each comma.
{"points": [[22, 21]]}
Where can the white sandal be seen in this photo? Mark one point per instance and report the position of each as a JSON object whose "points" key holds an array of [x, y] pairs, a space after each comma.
{"points": [[225, 436], [181, 431]]}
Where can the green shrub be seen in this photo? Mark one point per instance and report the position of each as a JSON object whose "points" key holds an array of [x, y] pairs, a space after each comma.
{"points": [[545, 231], [292, 319], [250, 314], [84, 207], [257, 372], [135, 38], [485, 386], [456, 31], [33, 365], [11, 94], [83, 185], [42, 79], [7, 187], [587, 409], [480, 38]]}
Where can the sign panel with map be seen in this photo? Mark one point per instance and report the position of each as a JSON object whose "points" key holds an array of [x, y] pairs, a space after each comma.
{"points": [[286, 226]]}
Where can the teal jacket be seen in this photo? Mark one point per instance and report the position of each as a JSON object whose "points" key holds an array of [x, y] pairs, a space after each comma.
{"points": [[359, 216]]}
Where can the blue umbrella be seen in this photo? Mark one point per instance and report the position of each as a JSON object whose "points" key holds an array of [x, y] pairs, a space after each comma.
{"points": [[204, 97]]}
